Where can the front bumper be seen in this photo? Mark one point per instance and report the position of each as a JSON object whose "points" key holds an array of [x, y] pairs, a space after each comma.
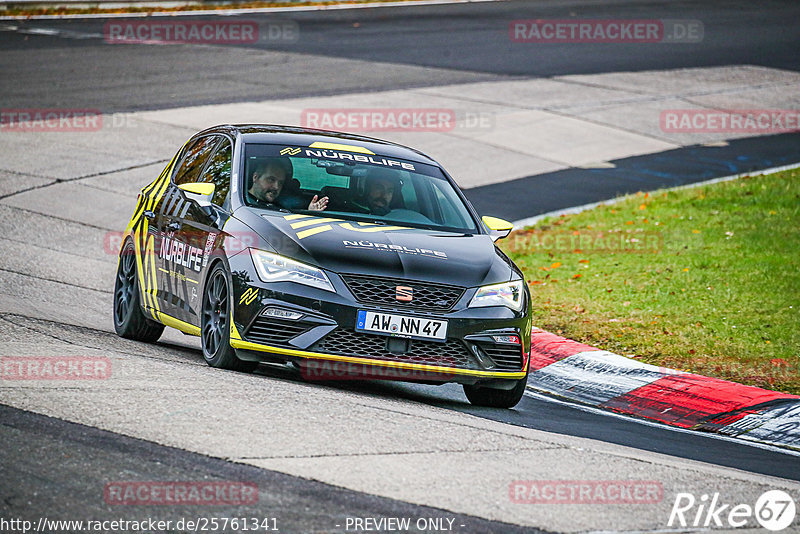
{"points": [[324, 339]]}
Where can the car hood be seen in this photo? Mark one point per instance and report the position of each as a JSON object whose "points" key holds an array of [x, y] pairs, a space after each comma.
{"points": [[379, 250]]}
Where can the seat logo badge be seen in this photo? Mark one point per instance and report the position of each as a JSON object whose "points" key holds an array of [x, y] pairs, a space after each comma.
{"points": [[404, 293], [289, 150]]}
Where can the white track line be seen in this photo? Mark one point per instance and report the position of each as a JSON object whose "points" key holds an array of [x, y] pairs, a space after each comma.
{"points": [[522, 223], [65, 34], [243, 11], [599, 411]]}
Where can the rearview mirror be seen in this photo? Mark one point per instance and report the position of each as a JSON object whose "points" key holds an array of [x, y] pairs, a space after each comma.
{"points": [[335, 167], [498, 228], [199, 192]]}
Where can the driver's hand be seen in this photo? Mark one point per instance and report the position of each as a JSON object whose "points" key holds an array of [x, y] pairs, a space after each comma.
{"points": [[318, 204]]}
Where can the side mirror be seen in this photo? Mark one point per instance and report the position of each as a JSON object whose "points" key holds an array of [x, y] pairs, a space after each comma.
{"points": [[199, 192], [498, 228]]}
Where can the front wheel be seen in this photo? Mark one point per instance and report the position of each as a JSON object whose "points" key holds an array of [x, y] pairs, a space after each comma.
{"points": [[129, 321], [215, 325], [496, 398]]}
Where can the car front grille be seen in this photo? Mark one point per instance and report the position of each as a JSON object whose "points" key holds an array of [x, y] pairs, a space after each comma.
{"points": [[507, 357], [452, 353], [275, 331], [375, 290]]}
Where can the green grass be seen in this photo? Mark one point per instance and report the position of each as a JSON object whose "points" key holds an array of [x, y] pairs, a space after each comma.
{"points": [[714, 287]]}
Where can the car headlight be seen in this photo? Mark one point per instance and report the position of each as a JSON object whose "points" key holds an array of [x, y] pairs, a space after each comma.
{"points": [[508, 294], [275, 268]]}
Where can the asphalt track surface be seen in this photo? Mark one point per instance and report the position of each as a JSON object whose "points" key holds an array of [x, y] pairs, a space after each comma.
{"points": [[401, 47], [86, 459], [409, 47], [536, 412], [567, 188]]}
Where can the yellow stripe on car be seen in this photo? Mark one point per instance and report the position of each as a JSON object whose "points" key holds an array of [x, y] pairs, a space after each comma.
{"points": [[309, 222], [201, 188], [241, 344], [337, 146], [183, 326], [312, 231], [150, 257]]}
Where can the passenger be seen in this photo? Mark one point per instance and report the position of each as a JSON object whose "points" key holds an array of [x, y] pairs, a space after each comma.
{"points": [[379, 192]]}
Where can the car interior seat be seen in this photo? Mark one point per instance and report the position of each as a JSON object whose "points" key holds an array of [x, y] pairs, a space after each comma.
{"points": [[338, 197]]}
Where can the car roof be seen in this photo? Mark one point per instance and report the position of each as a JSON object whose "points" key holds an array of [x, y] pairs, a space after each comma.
{"points": [[296, 136]]}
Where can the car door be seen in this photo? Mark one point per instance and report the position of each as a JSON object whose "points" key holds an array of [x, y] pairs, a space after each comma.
{"points": [[200, 226], [179, 259]]}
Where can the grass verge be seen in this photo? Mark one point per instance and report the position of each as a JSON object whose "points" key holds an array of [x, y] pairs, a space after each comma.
{"points": [[705, 279]]}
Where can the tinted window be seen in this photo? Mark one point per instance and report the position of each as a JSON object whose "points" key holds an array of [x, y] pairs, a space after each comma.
{"points": [[194, 158], [310, 178], [369, 189], [218, 172], [450, 205]]}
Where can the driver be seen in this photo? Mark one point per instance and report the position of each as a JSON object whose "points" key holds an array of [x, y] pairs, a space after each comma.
{"points": [[269, 176]]}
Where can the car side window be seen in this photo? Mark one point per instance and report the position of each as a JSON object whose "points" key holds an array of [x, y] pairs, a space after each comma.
{"points": [[450, 215], [194, 159], [409, 193], [218, 172]]}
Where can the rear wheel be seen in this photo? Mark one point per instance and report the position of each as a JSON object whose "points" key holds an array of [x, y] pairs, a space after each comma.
{"points": [[496, 398], [129, 321], [215, 324]]}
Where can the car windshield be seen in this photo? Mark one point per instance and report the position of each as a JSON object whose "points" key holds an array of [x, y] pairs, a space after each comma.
{"points": [[359, 186]]}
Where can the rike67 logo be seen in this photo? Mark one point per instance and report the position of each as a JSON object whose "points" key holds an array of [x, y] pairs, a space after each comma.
{"points": [[774, 510]]}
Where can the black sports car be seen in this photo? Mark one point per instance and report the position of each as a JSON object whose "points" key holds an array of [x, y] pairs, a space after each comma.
{"points": [[341, 255]]}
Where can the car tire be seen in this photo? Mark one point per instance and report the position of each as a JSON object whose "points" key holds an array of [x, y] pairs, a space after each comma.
{"points": [[129, 320], [496, 398], [215, 330]]}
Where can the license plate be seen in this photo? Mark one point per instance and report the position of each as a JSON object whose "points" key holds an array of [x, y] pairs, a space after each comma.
{"points": [[401, 325]]}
